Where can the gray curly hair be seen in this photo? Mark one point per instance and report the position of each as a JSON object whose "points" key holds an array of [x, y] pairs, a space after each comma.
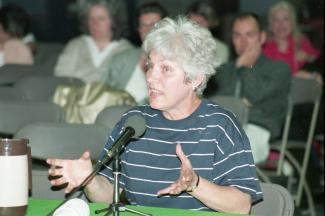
{"points": [[186, 43]]}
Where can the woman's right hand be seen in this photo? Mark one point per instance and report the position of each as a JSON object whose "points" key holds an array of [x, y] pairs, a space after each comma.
{"points": [[72, 172]]}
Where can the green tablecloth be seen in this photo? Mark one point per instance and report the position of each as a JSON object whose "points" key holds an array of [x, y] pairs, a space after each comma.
{"points": [[41, 207]]}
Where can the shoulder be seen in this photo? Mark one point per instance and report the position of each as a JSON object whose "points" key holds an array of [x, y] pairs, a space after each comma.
{"points": [[15, 44], [124, 44], [143, 110], [221, 44], [77, 41], [226, 69], [131, 52], [303, 39], [16, 49], [217, 114], [276, 64]]}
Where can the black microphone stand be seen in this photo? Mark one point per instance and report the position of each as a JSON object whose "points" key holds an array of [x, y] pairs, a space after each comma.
{"points": [[116, 207]]}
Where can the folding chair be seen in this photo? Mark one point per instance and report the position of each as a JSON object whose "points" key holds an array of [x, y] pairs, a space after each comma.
{"points": [[64, 140], [47, 54], [235, 105], [16, 114], [302, 91], [42, 88], [59, 140], [111, 115], [277, 201], [10, 93], [9, 73]]}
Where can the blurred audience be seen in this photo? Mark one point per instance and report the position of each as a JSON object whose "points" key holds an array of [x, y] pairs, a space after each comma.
{"points": [[285, 41], [127, 70], [205, 15], [88, 56], [14, 25], [263, 84]]}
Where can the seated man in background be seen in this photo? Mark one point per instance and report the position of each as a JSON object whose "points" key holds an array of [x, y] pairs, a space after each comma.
{"points": [[127, 70], [263, 84]]}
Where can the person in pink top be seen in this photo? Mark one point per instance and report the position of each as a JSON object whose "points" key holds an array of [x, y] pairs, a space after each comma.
{"points": [[285, 42], [14, 25]]}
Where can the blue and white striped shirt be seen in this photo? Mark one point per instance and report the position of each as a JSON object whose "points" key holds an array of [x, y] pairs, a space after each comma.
{"points": [[212, 139]]}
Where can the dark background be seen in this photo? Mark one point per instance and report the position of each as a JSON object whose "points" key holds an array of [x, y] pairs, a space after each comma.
{"points": [[57, 21]]}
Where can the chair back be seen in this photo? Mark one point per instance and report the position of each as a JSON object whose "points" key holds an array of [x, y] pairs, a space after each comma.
{"points": [[111, 115], [42, 88], [235, 105], [10, 93], [59, 140], [10, 73], [47, 54], [16, 114], [64, 140], [302, 91], [277, 201]]}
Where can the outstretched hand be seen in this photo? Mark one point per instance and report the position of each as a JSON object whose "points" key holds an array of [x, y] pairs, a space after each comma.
{"points": [[187, 178], [72, 172]]}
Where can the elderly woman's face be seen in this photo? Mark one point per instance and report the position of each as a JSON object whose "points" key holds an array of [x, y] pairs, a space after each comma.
{"points": [[167, 88], [99, 23], [281, 23]]}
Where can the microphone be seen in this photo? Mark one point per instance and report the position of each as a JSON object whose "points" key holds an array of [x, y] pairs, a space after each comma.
{"points": [[74, 207], [134, 128]]}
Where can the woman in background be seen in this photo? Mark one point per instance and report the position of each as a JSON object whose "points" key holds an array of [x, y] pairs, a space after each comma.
{"points": [[88, 56], [14, 25], [205, 15], [286, 42]]}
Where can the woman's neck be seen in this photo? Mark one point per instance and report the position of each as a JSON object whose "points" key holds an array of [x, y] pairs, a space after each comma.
{"points": [[183, 111], [102, 43], [282, 44]]}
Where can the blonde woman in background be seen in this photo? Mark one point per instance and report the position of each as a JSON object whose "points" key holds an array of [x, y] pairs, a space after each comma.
{"points": [[285, 42]]}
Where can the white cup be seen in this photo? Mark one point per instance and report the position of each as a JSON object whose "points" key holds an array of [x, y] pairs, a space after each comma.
{"points": [[73, 207]]}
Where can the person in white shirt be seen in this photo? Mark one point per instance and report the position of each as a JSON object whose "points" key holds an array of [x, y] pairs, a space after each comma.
{"points": [[87, 57]]}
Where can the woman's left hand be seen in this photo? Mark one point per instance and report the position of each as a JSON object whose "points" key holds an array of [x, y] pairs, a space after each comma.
{"points": [[187, 179]]}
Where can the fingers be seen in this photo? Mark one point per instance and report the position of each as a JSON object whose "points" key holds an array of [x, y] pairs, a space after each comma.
{"points": [[55, 162], [181, 155], [174, 189], [85, 155], [53, 171]]}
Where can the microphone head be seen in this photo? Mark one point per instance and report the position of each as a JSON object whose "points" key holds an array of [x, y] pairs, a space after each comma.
{"points": [[138, 123], [73, 207]]}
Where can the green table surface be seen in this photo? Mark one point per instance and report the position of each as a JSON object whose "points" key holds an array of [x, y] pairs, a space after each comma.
{"points": [[41, 207]]}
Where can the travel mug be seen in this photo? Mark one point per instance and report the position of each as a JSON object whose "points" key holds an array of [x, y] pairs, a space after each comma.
{"points": [[14, 177]]}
